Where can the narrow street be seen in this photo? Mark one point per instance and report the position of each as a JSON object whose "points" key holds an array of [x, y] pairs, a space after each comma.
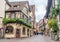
{"points": [[21, 19], [37, 38]]}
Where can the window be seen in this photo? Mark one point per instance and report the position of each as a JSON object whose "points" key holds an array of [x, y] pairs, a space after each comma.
{"points": [[25, 10], [22, 15], [13, 15], [16, 6], [30, 20], [17, 14], [25, 18], [23, 30], [9, 29], [7, 15]]}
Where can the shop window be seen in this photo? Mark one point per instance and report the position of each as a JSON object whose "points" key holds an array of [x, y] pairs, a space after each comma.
{"points": [[23, 30], [9, 29]]}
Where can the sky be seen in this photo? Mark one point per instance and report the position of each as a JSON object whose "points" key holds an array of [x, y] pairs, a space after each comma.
{"points": [[40, 7]]}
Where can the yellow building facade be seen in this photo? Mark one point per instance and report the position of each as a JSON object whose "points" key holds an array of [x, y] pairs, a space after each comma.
{"points": [[18, 31]]}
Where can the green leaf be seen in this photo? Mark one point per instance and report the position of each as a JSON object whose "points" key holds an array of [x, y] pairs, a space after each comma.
{"points": [[53, 24], [16, 20]]}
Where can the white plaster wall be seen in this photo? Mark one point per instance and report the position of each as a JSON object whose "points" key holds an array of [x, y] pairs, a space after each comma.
{"points": [[2, 8], [6, 6]]}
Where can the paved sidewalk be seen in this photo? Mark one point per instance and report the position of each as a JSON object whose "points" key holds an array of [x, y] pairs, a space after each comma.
{"points": [[36, 38]]}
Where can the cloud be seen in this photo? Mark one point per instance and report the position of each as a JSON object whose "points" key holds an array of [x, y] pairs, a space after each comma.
{"points": [[40, 9], [40, 12]]}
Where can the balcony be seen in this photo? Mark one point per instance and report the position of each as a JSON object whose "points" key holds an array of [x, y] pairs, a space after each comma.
{"points": [[16, 20]]}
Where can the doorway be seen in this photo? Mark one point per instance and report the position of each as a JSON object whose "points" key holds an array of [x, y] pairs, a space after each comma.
{"points": [[28, 32], [17, 33]]}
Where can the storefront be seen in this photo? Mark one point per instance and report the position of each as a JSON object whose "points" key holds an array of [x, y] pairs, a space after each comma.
{"points": [[17, 31]]}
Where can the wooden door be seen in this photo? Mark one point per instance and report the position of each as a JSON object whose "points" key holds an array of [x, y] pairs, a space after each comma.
{"points": [[17, 33]]}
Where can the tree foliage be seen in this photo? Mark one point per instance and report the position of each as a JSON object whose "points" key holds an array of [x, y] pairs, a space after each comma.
{"points": [[53, 24], [54, 12]]}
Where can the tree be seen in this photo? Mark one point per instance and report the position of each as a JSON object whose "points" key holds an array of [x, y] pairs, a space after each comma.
{"points": [[53, 24], [54, 12]]}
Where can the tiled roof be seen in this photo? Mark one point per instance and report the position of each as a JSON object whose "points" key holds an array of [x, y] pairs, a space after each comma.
{"points": [[21, 5], [7, 2]]}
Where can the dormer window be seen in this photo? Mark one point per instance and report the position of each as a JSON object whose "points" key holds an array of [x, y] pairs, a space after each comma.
{"points": [[16, 5]]}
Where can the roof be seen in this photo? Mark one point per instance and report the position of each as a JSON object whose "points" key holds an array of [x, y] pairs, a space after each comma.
{"points": [[14, 9], [7, 2], [18, 3], [22, 4]]}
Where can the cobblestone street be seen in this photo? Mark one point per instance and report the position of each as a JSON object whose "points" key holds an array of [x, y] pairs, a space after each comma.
{"points": [[37, 38]]}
